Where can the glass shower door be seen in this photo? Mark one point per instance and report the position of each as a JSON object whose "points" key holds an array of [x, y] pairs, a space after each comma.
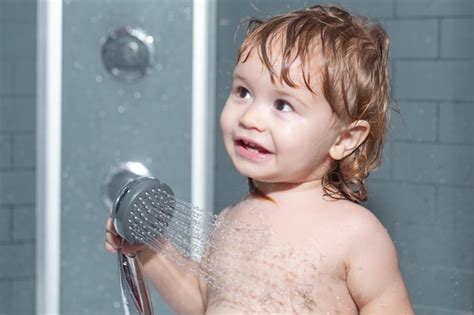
{"points": [[127, 96]]}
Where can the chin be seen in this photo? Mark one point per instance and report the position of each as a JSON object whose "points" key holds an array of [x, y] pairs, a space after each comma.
{"points": [[245, 172], [249, 172], [262, 172], [258, 176]]}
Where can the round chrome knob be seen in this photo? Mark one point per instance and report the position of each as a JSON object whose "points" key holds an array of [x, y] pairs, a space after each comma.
{"points": [[128, 53]]}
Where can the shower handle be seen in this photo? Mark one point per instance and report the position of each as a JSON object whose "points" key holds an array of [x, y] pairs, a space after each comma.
{"points": [[133, 285]]}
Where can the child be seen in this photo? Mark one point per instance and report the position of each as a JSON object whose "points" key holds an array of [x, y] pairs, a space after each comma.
{"points": [[305, 122]]}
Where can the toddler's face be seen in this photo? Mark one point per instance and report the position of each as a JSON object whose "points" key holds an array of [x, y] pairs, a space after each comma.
{"points": [[275, 133]]}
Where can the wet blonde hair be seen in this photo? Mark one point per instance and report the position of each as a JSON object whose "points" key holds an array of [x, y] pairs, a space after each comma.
{"points": [[350, 54]]}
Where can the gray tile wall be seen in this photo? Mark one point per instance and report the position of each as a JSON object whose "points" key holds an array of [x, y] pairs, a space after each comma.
{"points": [[423, 193], [17, 155]]}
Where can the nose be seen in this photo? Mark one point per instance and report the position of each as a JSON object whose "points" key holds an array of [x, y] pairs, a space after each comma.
{"points": [[253, 118]]}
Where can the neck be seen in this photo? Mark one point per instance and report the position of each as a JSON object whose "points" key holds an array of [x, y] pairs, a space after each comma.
{"points": [[281, 191]]}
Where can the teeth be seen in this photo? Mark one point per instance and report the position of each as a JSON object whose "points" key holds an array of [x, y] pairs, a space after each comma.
{"points": [[249, 144]]}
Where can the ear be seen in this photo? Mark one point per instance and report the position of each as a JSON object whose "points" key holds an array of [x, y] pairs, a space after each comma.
{"points": [[351, 138]]}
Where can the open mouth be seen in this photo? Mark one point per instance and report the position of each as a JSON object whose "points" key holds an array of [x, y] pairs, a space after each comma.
{"points": [[251, 147]]}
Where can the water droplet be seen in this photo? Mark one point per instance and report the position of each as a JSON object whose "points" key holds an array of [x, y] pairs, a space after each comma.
{"points": [[138, 95], [77, 65], [98, 79], [224, 22]]}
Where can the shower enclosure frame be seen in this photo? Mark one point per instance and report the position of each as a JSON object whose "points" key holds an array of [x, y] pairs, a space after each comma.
{"points": [[48, 135]]}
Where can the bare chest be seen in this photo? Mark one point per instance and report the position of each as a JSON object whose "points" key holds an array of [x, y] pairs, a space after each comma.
{"points": [[261, 267]]}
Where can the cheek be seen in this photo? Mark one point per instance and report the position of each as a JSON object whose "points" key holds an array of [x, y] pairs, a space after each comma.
{"points": [[292, 141], [224, 119], [294, 133], [304, 142]]}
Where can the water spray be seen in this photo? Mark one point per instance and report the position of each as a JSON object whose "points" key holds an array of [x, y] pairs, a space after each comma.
{"points": [[145, 211]]}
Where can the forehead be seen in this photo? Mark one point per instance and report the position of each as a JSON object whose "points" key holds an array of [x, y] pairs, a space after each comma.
{"points": [[285, 67]]}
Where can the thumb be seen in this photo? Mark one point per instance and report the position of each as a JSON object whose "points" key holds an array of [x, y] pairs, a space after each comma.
{"points": [[130, 249]]}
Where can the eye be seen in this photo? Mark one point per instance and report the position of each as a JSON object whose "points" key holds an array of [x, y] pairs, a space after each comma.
{"points": [[243, 93], [283, 106]]}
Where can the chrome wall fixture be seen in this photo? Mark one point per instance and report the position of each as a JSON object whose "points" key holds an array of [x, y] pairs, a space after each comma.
{"points": [[121, 176], [128, 53]]}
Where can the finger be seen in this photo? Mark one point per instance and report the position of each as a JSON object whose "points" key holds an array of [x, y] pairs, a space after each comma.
{"points": [[113, 240], [110, 248], [128, 249], [109, 227]]}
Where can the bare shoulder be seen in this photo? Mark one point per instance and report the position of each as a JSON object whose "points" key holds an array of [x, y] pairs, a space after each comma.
{"points": [[225, 211], [361, 224], [223, 214], [373, 276], [366, 238]]}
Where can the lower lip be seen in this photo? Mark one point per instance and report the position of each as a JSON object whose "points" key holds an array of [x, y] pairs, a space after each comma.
{"points": [[250, 154]]}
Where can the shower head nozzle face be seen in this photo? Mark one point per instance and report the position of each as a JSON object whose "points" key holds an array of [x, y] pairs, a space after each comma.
{"points": [[144, 202]]}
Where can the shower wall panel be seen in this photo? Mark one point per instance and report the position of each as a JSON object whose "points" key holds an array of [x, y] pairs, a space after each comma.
{"points": [[107, 121]]}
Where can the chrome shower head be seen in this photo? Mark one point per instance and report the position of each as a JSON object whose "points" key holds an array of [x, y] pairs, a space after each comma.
{"points": [[143, 201], [148, 202]]}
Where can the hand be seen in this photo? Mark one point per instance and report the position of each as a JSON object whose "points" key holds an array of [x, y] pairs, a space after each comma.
{"points": [[114, 242]]}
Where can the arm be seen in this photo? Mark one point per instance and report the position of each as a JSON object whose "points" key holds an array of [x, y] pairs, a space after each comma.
{"points": [[179, 288], [192, 285], [373, 276]]}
